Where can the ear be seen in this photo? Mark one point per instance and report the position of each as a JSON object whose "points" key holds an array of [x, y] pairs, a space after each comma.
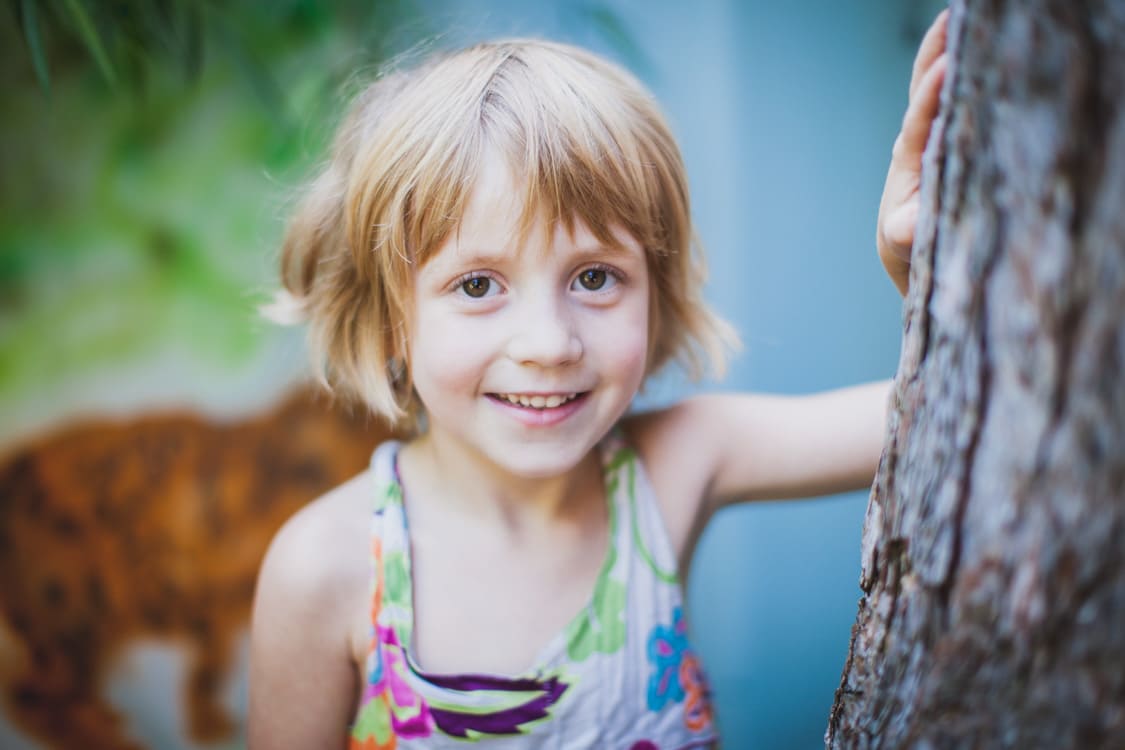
{"points": [[396, 369], [398, 364], [398, 348]]}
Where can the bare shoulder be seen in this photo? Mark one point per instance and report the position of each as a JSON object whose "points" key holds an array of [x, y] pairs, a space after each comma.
{"points": [[322, 549], [676, 450], [312, 591]]}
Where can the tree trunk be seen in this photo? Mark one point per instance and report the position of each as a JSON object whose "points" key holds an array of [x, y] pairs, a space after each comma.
{"points": [[993, 574]]}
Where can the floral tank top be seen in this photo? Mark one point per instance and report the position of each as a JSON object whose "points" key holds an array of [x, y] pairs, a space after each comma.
{"points": [[621, 675]]}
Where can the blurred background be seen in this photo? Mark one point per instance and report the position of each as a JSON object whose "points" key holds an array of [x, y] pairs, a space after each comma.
{"points": [[153, 429]]}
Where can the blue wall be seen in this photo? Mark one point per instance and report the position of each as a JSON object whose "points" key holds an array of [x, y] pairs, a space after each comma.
{"points": [[785, 113]]}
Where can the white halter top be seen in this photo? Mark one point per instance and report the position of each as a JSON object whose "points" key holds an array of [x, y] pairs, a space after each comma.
{"points": [[622, 674]]}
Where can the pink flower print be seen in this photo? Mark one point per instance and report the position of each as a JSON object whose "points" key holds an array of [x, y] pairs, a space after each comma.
{"points": [[410, 715]]}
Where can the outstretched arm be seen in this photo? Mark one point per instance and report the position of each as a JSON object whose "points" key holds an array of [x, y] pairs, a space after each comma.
{"points": [[795, 446], [830, 442], [898, 210], [749, 446], [714, 450]]}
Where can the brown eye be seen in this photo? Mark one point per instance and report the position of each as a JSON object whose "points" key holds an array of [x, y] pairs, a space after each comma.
{"points": [[477, 287], [592, 279]]}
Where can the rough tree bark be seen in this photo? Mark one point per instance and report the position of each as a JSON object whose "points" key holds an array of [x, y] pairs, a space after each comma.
{"points": [[993, 564]]}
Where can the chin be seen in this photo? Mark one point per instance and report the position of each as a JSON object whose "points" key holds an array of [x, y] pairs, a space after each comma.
{"points": [[541, 461]]}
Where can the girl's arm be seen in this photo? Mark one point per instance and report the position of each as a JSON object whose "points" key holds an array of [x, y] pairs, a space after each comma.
{"points": [[744, 447], [788, 447], [303, 682], [775, 447], [709, 451]]}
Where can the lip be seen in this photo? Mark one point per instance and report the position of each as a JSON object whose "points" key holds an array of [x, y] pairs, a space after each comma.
{"points": [[545, 417]]}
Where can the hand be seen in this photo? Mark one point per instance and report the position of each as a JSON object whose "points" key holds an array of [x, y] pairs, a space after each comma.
{"points": [[898, 210]]}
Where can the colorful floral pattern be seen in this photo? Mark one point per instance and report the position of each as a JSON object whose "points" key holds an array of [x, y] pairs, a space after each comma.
{"points": [[697, 695], [677, 675], [390, 707], [666, 648], [600, 628]]}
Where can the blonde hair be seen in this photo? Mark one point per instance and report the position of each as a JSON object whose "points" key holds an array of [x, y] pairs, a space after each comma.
{"points": [[592, 146]]}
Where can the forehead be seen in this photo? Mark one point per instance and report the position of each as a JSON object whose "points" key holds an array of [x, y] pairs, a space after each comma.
{"points": [[498, 223], [495, 208]]}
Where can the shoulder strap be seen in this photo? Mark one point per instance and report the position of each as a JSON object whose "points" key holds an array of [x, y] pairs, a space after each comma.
{"points": [[633, 495]]}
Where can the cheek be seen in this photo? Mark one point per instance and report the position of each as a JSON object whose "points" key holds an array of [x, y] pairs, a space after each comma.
{"points": [[623, 343], [445, 356]]}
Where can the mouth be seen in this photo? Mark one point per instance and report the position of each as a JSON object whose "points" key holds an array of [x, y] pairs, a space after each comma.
{"points": [[537, 401]]}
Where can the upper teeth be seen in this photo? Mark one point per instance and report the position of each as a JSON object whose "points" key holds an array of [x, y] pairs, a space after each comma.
{"points": [[538, 402]]}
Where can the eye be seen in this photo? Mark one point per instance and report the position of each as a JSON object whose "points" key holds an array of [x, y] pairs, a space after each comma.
{"points": [[596, 279], [478, 287]]}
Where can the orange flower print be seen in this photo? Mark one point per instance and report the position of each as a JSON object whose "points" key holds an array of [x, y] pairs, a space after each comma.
{"points": [[697, 698]]}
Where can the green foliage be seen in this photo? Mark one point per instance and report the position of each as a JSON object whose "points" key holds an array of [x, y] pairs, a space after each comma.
{"points": [[126, 39], [88, 33], [34, 41], [146, 149]]}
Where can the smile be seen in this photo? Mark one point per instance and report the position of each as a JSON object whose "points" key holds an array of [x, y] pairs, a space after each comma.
{"points": [[538, 401]]}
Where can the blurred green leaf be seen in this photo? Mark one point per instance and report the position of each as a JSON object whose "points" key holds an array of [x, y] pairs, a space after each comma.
{"points": [[261, 81], [31, 33], [88, 31], [193, 40]]}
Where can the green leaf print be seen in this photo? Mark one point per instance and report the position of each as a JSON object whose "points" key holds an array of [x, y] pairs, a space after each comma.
{"points": [[396, 579], [668, 576], [397, 594], [374, 721], [390, 495], [602, 627]]}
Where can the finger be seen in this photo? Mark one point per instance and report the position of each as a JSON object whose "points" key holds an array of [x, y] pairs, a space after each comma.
{"points": [[921, 112], [933, 44], [899, 230]]}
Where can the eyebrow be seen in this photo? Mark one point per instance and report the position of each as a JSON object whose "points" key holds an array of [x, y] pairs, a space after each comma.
{"points": [[480, 256], [613, 249]]}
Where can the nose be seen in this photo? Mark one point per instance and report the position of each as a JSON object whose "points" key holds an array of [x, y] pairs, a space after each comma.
{"points": [[544, 333]]}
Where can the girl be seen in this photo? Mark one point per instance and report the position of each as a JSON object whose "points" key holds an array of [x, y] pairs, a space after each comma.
{"points": [[498, 255]]}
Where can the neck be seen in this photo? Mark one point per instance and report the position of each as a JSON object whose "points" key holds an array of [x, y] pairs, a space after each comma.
{"points": [[458, 479]]}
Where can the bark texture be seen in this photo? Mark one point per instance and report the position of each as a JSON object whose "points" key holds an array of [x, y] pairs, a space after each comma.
{"points": [[994, 546]]}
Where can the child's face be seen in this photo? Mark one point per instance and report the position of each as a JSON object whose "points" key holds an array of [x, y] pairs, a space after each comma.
{"points": [[495, 322]]}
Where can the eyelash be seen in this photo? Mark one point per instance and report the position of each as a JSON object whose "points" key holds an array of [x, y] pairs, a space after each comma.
{"points": [[610, 271], [458, 285]]}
